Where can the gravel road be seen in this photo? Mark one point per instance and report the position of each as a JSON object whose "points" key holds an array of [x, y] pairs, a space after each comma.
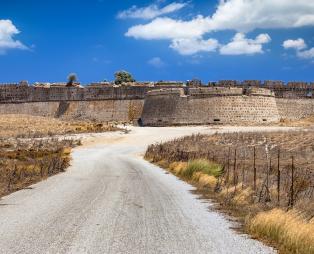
{"points": [[112, 201]]}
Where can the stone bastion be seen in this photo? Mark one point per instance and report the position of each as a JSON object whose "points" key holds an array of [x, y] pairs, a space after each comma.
{"points": [[208, 105]]}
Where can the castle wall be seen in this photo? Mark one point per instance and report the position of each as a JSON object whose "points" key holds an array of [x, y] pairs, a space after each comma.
{"points": [[16, 93], [295, 109], [230, 103], [36, 108], [224, 106], [106, 110]]}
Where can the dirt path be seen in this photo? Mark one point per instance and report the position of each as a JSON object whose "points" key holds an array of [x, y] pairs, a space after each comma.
{"points": [[112, 201]]}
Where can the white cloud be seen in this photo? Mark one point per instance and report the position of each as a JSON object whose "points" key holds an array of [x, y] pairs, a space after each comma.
{"points": [[306, 54], [300, 47], [247, 15], [167, 28], [193, 46], [156, 62], [298, 44], [7, 32], [240, 45], [242, 16], [239, 15], [151, 11]]}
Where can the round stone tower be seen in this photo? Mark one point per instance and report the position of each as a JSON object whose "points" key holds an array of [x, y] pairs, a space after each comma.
{"points": [[209, 105]]}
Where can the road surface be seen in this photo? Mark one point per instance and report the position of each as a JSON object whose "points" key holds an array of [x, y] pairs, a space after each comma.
{"points": [[112, 201]]}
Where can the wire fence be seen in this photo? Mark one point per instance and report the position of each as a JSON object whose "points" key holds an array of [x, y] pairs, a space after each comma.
{"points": [[274, 174]]}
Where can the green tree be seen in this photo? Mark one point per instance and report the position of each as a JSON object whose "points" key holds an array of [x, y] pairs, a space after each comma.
{"points": [[123, 77], [71, 79]]}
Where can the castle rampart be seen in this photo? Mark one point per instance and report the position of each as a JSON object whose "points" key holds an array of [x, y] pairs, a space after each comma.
{"points": [[172, 102], [18, 94], [22, 92]]}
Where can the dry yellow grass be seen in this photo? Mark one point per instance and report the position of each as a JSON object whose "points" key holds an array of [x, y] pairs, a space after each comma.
{"points": [[37, 126], [202, 179], [290, 229], [243, 196], [22, 164], [196, 176], [177, 167], [207, 181], [25, 160], [304, 122]]}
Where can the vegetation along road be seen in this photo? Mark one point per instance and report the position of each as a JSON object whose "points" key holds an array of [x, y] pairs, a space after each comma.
{"points": [[112, 201]]}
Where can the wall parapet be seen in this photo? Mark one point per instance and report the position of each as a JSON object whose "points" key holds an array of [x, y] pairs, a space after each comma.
{"points": [[17, 93], [163, 92], [212, 92], [41, 92]]}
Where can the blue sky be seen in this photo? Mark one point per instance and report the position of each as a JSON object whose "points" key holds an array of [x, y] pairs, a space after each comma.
{"points": [[156, 40]]}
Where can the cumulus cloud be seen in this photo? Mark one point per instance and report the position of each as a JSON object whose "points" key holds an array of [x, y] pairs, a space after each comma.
{"points": [[240, 45], [151, 11], [156, 62], [239, 15], [298, 44], [247, 15], [167, 28], [306, 54], [192, 46], [7, 32], [242, 16], [300, 47]]}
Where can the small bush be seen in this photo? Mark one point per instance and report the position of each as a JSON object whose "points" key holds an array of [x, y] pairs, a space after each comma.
{"points": [[204, 166]]}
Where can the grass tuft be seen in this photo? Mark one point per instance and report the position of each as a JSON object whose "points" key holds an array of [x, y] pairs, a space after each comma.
{"points": [[207, 181], [177, 167], [204, 166], [290, 229]]}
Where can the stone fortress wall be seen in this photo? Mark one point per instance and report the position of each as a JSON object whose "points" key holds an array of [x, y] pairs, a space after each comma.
{"points": [[17, 93], [166, 103], [95, 102], [100, 110], [223, 105]]}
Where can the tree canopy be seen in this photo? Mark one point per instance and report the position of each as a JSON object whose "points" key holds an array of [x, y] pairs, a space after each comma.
{"points": [[71, 79], [123, 77]]}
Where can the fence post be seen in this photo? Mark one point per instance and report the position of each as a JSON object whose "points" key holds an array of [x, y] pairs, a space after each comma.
{"points": [[234, 169], [228, 166], [267, 180], [243, 170], [278, 178], [292, 181], [9, 183], [254, 170]]}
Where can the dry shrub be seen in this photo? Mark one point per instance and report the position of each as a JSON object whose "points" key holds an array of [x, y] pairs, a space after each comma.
{"points": [[243, 196], [163, 164], [290, 229], [26, 162], [196, 176], [207, 181], [177, 167]]}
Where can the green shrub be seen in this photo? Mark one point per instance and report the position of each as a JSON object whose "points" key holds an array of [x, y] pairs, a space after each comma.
{"points": [[204, 166]]}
